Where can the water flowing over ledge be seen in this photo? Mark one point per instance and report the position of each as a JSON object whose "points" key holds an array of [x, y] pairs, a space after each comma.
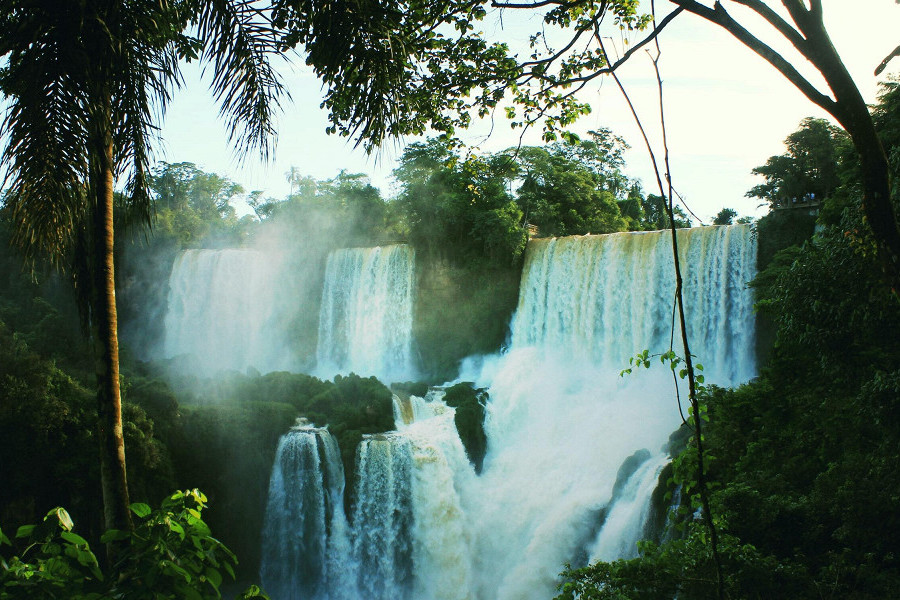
{"points": [[365, 321], [561, 424], [227, 310], [606, 297]]}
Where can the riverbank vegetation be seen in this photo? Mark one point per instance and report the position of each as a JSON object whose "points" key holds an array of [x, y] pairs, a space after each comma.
{"points": [[802, 458]]}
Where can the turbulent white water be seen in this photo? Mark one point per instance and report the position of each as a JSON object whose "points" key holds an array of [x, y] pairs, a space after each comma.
{"points": [[623, 527], [365, 320], [226, 311], [560, 424]]}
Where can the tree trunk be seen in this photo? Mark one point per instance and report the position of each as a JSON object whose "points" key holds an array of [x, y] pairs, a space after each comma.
{"points": [[853, 114], [848, 107], [105, 339]]}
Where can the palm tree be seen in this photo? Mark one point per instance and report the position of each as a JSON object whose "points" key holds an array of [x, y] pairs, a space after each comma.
{"points": [[85, 83]]}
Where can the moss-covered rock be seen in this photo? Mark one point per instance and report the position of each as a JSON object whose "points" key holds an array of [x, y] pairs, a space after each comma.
{"points": [[469, 403]]}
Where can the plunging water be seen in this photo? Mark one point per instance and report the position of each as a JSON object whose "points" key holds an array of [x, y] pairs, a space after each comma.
{"points": [[365, 322], [305, 530], [560, 422]]}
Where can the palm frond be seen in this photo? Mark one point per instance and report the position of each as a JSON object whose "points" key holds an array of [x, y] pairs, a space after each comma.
{"points": [[44, 131], [238, 43], [150, 36]]}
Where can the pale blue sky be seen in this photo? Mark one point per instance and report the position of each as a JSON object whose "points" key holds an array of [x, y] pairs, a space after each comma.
{"points": [[726, 109]]}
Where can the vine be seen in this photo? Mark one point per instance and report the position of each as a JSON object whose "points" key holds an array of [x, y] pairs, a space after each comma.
{"points": [[667, 191]]}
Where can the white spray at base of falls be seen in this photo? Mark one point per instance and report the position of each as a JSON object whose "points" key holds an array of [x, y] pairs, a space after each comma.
{"points": [[365, 320], [225, 311], [560, 423]]}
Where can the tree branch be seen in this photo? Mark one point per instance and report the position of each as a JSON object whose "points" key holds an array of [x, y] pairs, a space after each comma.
{"points": [[609, 70], [721, 17], [886, 60], [775, 20], [797, 10], [527, 5]]}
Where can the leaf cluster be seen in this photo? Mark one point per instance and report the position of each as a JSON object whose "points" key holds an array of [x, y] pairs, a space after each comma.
{"points": [[398, 69], [82, 77], [170, 554]]}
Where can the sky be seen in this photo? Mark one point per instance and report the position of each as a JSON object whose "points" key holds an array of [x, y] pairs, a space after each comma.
{"points": [[726, 111]]}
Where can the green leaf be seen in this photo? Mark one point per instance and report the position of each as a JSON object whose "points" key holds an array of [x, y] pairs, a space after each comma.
{"points": [[114, 535], [61, 516], [24, 531], [214, 577], [140, 509], [253, 593], [73, 538]]}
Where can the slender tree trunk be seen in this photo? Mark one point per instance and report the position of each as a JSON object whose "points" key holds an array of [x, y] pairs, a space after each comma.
{"points": [[105, 338]]}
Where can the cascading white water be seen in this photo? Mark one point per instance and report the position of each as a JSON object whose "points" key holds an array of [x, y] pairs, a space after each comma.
{"points": [[561, 421], [365, 320], [305, 528], [225, 310], [605, 297], [559, 425], [383, 518], [623, 527], [413, 409]]}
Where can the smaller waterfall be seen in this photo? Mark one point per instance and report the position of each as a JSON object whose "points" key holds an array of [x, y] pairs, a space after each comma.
{"points": [[305, 530], [413, 409], [365, 321], [383, 518], [227, 310], [624, 524]]}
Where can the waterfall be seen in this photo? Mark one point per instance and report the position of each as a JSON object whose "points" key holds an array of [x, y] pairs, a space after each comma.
{"points": [[606, 297], [382, 518], [627, 516], [305, 529], [413, 409], [226, 310], [560, 423], [561, 420], [365, 320]]}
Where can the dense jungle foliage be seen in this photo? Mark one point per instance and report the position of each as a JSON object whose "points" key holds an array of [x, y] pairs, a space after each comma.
{"points": [[803, 458], [804, 455]]}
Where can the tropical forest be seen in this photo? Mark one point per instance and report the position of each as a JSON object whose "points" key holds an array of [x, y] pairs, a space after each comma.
{"points": [[514, 374]]}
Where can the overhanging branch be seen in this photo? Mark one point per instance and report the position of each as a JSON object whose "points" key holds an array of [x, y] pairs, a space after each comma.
{"points": [[886, 60], [775, 20], [721, 17]]}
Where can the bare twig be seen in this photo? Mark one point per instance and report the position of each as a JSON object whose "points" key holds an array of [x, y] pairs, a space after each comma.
{"points": [[886, 60]]}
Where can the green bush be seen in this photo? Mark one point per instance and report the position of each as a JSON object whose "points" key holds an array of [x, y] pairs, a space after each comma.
{"points": [[170, 554]]}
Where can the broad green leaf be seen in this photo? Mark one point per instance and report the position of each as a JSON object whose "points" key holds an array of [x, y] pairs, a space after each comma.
{"points": [[114, 535], [214, 577], [73, 538], [140, 509], [62, 517], [24, 531]]}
